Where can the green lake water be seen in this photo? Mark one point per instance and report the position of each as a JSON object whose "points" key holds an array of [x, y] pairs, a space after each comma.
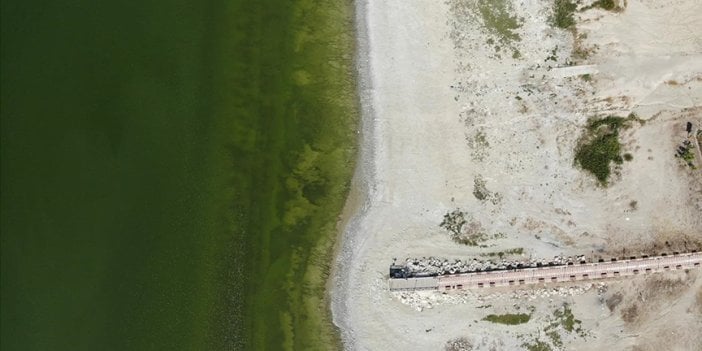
{"points": [[172, 172]]}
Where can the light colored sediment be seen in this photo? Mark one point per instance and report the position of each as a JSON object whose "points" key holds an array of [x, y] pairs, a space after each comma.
{"points": [[431, 90]]}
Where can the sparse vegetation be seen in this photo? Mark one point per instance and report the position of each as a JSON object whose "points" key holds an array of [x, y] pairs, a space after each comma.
{"points": [[516, 251], [686, 153], [628, 157], [554, 55], [563, 11], [537, 345], [480, 190], [600, 146], [473, 235], [580, 51], [607, 5], [555, 337], [633, 205], [454, 222], [459, 344], [562, 324], [586, 77], [613, 122], [633, 117], [509, 318], [498, 20], [479, 145], [462, 228], [565, 318], [500, 254]]}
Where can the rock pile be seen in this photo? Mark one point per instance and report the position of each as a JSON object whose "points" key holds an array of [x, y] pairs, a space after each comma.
{"points": [[421, 300], [438, 266]]}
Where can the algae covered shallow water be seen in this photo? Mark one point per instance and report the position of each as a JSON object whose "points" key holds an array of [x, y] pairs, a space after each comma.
{"points": [[172, 172]]}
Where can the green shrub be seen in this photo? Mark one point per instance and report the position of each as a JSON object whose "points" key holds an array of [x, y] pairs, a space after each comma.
{"points": [[600, 146], [510, 318], [608, 5], [596, 156], [688, 155]]}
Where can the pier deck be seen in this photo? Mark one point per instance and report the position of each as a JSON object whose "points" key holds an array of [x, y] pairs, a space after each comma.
{"points": [[551, 274]]}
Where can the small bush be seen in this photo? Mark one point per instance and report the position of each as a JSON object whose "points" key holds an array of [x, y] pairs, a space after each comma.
{"points": [[608, 5], [685, 152], [688, 156]]}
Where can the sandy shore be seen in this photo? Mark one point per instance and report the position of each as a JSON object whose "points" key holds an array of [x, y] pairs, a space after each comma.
{"points": [[445, 109]]}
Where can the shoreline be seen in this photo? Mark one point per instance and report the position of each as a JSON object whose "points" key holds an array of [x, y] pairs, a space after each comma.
{"points": [[358, 201]]}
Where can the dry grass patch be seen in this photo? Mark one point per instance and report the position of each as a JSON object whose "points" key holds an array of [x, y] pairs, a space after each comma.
{"points": [[656, 289], [613, 301], [631, 313], [497, 20]]}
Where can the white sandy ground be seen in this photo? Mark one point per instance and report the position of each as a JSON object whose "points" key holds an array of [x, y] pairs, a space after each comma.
{"points": [[441, 108]]}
